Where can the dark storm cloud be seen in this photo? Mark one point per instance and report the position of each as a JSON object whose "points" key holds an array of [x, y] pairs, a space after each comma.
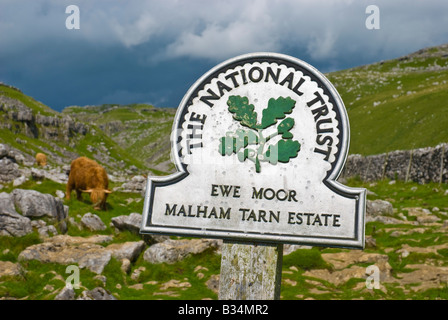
{"points": [[152, 51]]}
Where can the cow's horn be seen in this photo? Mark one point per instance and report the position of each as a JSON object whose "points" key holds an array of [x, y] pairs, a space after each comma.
{"points": [[107, 191], [89, 191]]}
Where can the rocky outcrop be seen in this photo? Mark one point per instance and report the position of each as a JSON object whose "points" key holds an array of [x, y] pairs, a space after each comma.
{"points": [[10, 159], [16, 116], [133, 223], [20, 206], [17, 167], [130, 222], [137, 184], [143, 131], [14, 155], [171, 251], [66, 123], [92, 222], [34, 204], [9, 170], [54, 174], [345, 268], [12, 223], [10, 269], [379, 207], [86, 252], [97, 293]]}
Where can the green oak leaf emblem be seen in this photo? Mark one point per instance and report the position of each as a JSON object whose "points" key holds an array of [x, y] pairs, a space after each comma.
{"points": [[250, 143]]}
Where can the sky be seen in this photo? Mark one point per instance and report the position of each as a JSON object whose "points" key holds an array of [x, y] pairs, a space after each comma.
{"points": [[135, 51]]}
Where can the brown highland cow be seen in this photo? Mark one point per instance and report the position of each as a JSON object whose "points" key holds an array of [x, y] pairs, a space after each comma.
{"points": [[87, 175], [41, 159]]}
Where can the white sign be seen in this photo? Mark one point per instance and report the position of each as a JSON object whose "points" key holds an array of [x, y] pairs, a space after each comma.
{"points": [[258, 143]]}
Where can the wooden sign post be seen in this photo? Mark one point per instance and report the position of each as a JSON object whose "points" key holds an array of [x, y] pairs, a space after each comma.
{"points": [[250, 271], [258, 143]]}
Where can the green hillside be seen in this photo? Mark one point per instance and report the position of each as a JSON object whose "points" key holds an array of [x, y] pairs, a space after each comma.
{"points": [[397, 104], [31, 127], [140, 129]]}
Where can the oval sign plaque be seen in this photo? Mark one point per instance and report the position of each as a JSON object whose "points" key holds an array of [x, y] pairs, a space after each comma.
{"points": [[258, 143]]}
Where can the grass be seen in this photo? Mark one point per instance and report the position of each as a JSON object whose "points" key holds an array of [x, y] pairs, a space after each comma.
{"points": [[142, 129], [44, 280], [183, 271], [406, 194], [27, 100], [12, 246], [392, 107], [145, 281], [403, 195], [31, 138], [305, 259]]}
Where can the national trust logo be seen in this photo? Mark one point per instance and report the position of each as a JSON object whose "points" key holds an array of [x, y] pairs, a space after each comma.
{"points": [[259, 142]]}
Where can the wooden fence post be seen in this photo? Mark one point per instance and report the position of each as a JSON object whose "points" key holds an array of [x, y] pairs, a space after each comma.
{"points": [[250, 271]]}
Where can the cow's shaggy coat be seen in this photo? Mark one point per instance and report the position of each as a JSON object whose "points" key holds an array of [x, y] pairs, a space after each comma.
{"points": [[41, 159], [87, 175]]}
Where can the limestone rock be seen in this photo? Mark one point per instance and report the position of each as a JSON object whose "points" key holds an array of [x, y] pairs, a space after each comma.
{"points": [[423, 277], [96, 294], [11, 222], [125, 265], [132, 223], [213, 283], [14, 155], [52, 174], [66, 294], [70, 240], [425, 250], [341, 260], [137, 184], [127, 250], [387, 220], [32, 203], [171, 251], [92, 222], [43, 229], [86, 252], [60, 194], [379, 207], [345, 267], [68, 250], [370, 242], [289, 248], [3, 150], [19, 181], [175, 284], [8, 269], [424, 216], [9, 170]]}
